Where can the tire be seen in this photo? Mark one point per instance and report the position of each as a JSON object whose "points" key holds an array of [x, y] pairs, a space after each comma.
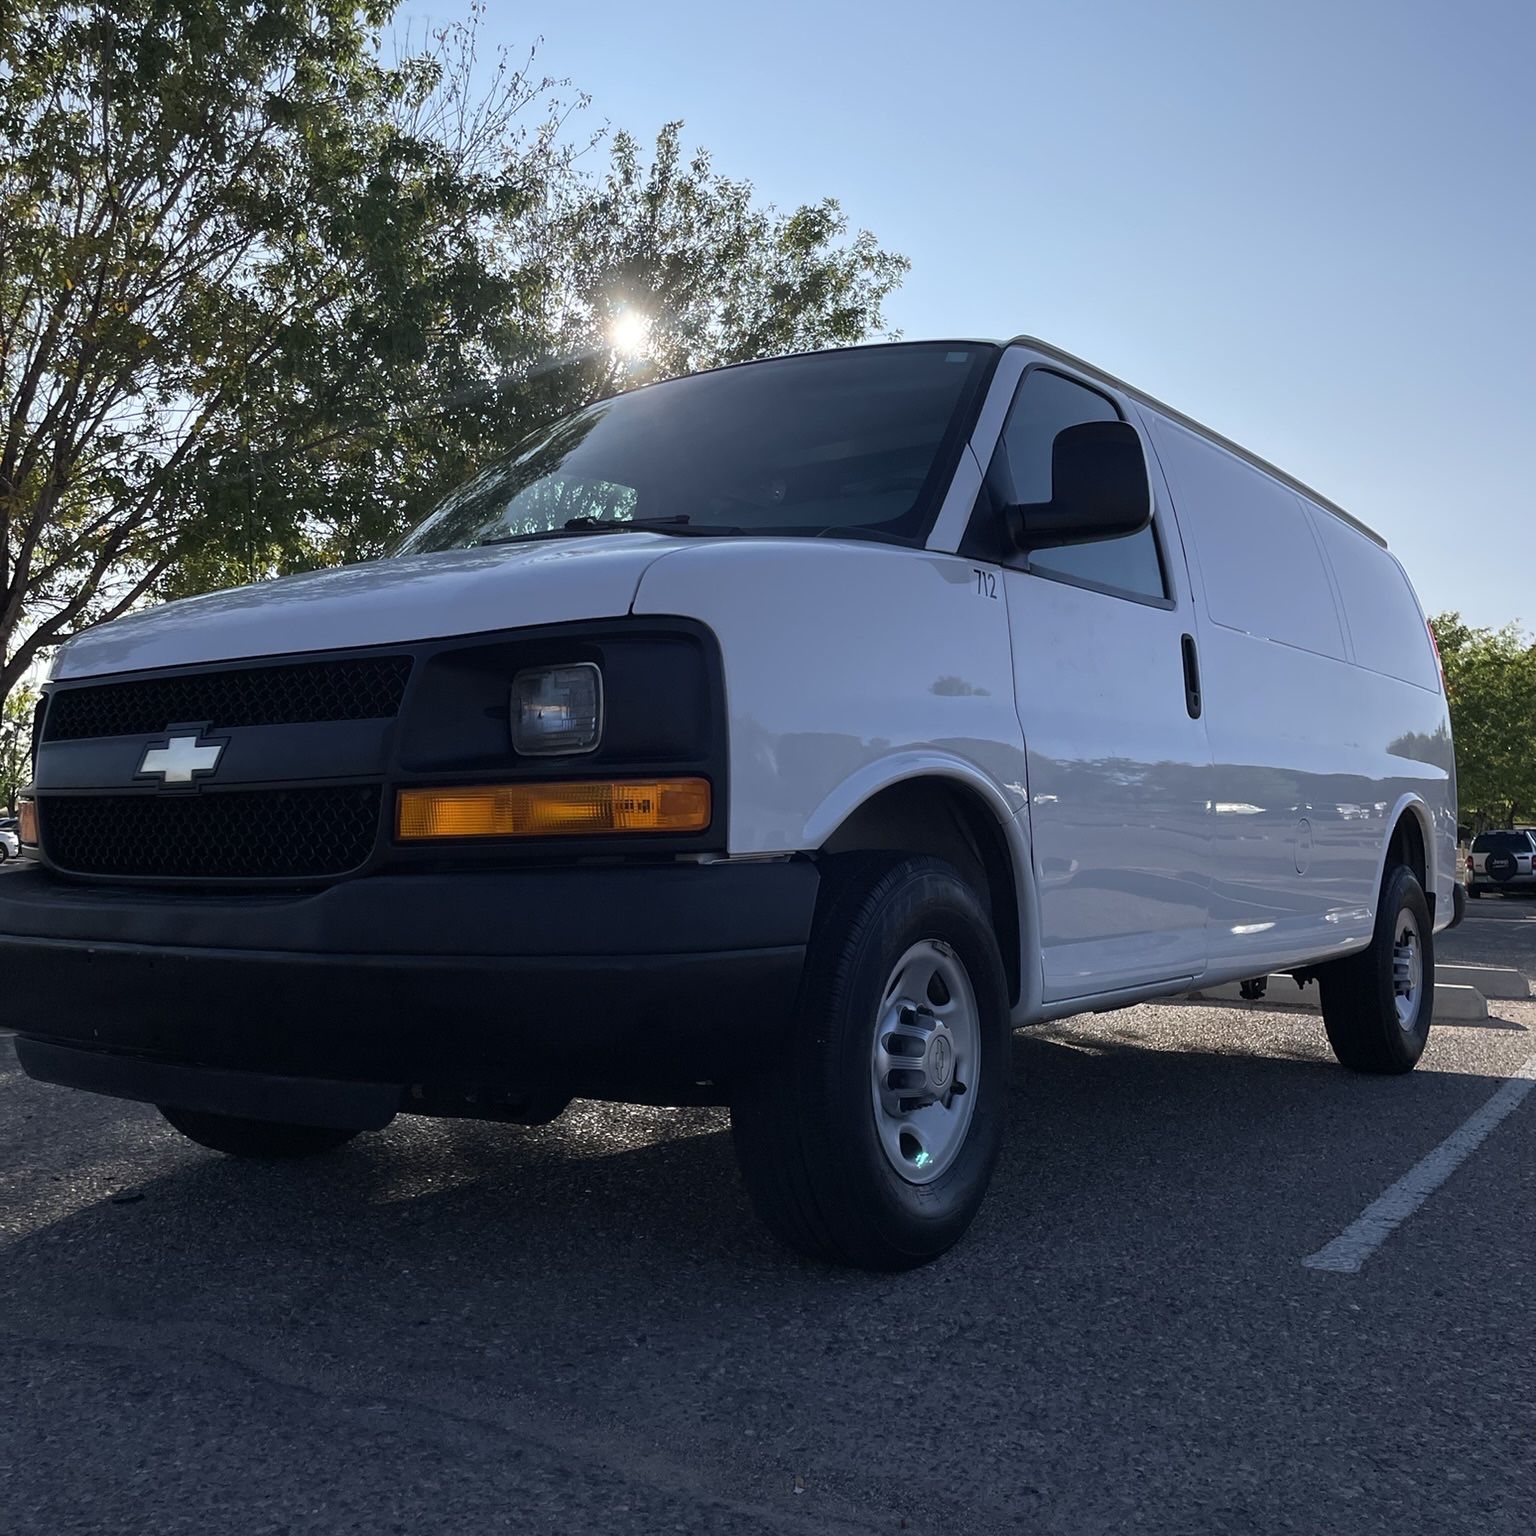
{"points": [[838, 1164], [1371, 1027], [255, 1138]]}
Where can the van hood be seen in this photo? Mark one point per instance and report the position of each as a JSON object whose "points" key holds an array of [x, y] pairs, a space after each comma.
{"points": [[385, 602]]}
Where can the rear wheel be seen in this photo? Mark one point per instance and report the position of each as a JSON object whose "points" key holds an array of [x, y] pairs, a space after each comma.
{"points": [[255, 1138], [1378, 1004], [871, 1137]]}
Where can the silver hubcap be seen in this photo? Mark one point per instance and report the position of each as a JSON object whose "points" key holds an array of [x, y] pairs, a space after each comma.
{"points": [[925, 1062], [1407, 971]]}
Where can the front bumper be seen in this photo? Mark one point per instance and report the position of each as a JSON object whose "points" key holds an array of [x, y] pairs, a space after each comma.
{"points": [[1516, 885], [435, 989]]}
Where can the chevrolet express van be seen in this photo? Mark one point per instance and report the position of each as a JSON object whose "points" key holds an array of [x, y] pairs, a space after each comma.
{"points": [[782, 737]]}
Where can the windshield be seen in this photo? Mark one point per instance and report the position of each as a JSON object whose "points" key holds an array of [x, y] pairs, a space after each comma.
{"points": [[856, 440]]}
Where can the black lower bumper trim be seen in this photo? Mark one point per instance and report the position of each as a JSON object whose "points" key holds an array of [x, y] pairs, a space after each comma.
{"points": [[509, 1023], [593, 981], [253, 1096]]}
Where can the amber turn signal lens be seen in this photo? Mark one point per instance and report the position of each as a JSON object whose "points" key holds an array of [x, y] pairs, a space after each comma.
{"points": [[574, 809], [26, 821]]}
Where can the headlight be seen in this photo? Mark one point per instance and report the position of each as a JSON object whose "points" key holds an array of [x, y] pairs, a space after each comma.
{"points": [[557, 710]]}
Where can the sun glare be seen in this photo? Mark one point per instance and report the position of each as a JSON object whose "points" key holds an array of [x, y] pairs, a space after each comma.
{"points": [[630, 333]]}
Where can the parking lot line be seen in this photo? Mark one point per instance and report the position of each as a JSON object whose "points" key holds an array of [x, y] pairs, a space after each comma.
{"points": [[1384, 1215]]}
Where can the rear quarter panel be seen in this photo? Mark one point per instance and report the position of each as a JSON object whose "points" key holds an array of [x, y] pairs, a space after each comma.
{"points": [[1394, 696]]}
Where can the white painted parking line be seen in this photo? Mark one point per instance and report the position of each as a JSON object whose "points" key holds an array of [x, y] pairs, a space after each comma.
{"points": [[1384, 1215]]}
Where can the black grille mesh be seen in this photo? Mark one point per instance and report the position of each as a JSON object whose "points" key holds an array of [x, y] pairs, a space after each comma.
{"points": [[267, 834], [361, 688]]}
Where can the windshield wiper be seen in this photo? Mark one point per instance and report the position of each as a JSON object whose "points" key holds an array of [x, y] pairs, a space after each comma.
{"points": [[677, 520], [678, 523]]}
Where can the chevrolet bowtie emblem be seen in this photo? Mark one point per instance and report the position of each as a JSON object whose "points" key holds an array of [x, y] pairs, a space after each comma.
{"points": [[180, 759]]}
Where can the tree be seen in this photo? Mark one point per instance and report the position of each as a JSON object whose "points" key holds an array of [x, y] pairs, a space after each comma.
{"points": [[703, 274], [229, 228], [1490, 677], [684, 259], [264, 296], [15, 746]]}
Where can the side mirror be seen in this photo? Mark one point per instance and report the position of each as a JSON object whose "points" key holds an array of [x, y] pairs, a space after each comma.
{"points": [[1099, 489]]}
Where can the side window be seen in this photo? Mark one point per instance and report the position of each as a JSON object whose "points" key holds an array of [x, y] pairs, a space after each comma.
{"points": [[1047, 402]]}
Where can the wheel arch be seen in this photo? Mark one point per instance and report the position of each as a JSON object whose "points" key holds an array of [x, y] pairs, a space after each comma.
{"points": [[953, 813], [1411, 841]]}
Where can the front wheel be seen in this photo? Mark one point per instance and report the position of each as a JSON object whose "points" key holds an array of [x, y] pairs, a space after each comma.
{"points": [[871, 1136], [238, 1137], [1377, 1005]]}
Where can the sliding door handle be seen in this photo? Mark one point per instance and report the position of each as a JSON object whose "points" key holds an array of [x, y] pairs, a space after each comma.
{"points": [[1191, 677]]}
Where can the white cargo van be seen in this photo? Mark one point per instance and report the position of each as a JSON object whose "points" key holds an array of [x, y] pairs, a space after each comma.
{"points": [[781, 736]]}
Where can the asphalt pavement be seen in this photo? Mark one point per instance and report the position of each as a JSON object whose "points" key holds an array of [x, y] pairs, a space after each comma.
{"points": [[581, 1328]]}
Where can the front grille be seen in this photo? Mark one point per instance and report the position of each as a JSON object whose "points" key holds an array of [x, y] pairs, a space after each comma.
{"points": [[359, 688], [264, 834]]}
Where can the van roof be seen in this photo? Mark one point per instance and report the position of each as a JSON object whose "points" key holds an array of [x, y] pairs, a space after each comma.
{"points": [[1144, 398]]}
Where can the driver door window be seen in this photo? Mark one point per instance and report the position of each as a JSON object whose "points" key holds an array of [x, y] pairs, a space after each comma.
{"points": [[1047, 402]]}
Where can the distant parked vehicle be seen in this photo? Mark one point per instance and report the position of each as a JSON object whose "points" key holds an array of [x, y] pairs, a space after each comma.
{"points": [[10, 843], [1503, 861]]}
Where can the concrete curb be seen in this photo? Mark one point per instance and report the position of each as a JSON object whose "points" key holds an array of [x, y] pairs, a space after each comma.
{"points": [[1490, 980]]}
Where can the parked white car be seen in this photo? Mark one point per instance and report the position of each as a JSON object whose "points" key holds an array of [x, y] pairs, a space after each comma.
{"points": [[10, 845], [780, 736]]}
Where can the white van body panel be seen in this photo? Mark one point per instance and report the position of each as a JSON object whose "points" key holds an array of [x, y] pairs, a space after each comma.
{"points": [[1118, 772], [1118, 777], [383, 602], [846, 662], [1292, 875], [1147, 866], [1386, 628], [1315, 756], [1389, 637], [851, 666]]}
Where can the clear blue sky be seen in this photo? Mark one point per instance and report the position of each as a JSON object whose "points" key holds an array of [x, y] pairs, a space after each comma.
{"points": [[1311, 225]]}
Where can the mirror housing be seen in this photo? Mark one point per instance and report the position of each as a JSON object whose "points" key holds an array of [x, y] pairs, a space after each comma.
{"points": [[1099, 489]]}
